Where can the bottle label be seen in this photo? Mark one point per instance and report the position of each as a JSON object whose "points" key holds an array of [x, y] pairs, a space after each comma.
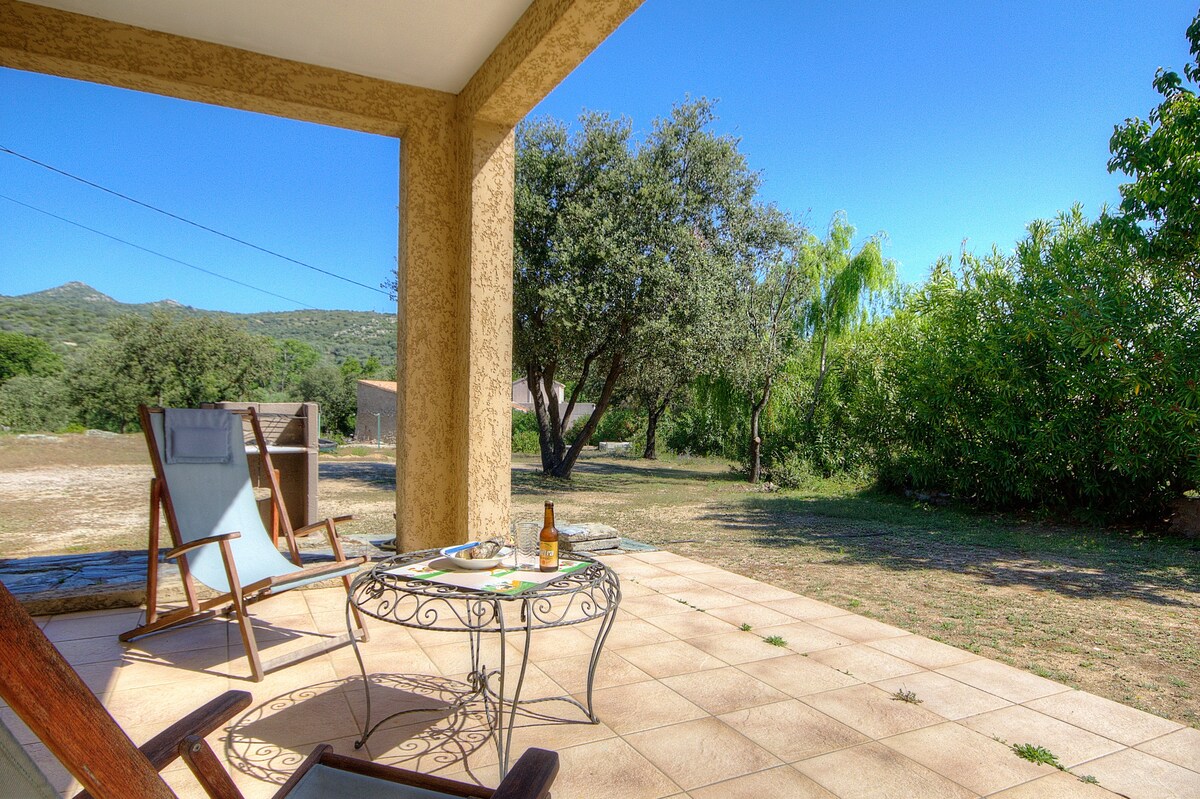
{"points": [[548, 555]]}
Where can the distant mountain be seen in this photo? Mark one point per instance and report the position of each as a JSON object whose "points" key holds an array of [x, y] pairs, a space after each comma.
{"points": [[75, 314]]}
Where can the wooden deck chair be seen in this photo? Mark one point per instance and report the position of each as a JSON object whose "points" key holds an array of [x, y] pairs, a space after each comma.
{"points": [[46, 693], [202, 485]]}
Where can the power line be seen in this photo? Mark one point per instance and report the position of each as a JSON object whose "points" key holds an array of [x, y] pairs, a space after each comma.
{"points": [[186, 221], [154, 252]]}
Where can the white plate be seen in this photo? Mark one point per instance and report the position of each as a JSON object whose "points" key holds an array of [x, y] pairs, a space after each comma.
{"points": [[451, 554]]}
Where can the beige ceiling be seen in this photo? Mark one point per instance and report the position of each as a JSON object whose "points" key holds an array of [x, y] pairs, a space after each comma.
{"points": [[435, 44]]}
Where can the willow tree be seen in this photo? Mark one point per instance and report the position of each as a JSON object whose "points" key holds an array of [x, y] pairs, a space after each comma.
{"points": [[616, 251], [844, 284]]}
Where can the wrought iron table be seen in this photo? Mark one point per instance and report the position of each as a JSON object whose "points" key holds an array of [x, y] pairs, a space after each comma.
{"points": [[590, 593]]}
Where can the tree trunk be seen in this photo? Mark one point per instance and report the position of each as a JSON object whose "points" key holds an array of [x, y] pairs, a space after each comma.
{"points": [[549, 430], [567, 462], [812, 409], [654, 412], [755, 438]]}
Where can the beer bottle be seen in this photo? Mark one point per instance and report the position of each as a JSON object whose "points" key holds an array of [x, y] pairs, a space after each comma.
{"points": [[548, 542]]}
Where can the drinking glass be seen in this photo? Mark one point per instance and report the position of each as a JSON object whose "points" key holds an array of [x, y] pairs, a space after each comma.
{"points": [[526, 538]]}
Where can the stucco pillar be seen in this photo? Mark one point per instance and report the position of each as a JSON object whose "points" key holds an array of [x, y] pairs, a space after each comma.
{"points": [[454, 336], [487, 309]]}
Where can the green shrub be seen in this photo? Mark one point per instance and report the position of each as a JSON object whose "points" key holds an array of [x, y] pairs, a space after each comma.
{"points": [[35, 404], [790, 470], [526, 441]]}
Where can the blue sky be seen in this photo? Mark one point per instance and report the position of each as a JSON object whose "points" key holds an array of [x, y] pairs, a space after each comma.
{"points": [[932, 122]]}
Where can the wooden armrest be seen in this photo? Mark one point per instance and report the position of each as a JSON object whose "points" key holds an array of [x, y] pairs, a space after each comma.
{"points": [[530, 777], [321, 525], [199, 542], [162, 749]]}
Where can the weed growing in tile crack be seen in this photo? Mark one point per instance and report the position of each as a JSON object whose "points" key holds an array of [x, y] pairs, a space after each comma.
{"points": [[1038, 754], [1088, 778], [907, 696], [745, 627], [689, 604], [775, 640]]}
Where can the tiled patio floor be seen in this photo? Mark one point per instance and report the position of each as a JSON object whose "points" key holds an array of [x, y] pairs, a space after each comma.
{"points": [[690, 704]]}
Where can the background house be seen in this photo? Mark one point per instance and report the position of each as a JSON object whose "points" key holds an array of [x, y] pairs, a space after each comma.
{"points": [[376, 411], [522, 400]]}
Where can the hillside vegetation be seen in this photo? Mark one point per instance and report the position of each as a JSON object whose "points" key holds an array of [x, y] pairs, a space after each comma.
{"points": [[75, 315]]}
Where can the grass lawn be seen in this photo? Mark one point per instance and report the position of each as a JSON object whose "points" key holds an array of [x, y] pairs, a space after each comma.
{"points": [[1109, 611]]}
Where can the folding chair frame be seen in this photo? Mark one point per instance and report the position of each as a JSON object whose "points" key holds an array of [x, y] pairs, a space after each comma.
{"points": [[235, 601]]}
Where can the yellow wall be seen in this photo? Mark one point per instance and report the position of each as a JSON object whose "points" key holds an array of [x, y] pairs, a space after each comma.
{"points": [[454, 347]]}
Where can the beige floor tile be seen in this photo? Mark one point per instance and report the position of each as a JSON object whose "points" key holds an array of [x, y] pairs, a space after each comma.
{"points": [[783, 782], [637, 571], [571, 672], [706, 598], [1181, 747], [1142, 776], [1018, 724], [747, 588], [554, 643], [753, 614], [458, 743], [613, 767], [803, 637], [871, 711], [739, 647], [456, 658], [671, 583], [306, 673], [291, 603], [647, 607], [691, 567], [791, 730], [805, 609], [925, 653], [324, 600], [1122, 723], [1003, 681], [798, 675], [378, 660], [297, 718], [143, 714], [642, 706], [1058, 785], [93, 624], [875, 771], [865, 663], [100, 650], [101, 678], [859, 628], [657, 556], [630, 589], [972, 760], [630, 631], [182, 667], [672, 657], [948, 698], [701, 752], [692, 625], [723, 690], [331, 622]]}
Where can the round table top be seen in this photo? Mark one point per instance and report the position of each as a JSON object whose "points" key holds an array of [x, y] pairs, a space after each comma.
{"points": [[410, 601]]}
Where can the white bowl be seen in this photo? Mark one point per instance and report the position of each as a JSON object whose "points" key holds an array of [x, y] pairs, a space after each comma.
{"points": [[451, 554]]}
